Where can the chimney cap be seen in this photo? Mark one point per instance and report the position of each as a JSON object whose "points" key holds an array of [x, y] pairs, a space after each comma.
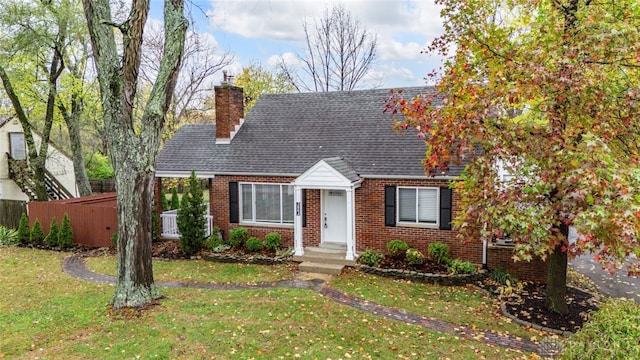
{"points": [[227, 78]]}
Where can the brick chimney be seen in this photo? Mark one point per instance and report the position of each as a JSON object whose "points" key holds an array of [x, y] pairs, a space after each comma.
{"points": [[229, 109]]}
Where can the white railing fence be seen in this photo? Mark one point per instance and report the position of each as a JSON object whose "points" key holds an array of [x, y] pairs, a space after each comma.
{"points": [[170, 224]]}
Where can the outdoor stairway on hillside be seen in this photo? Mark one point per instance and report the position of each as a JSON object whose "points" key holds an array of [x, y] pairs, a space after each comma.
{"points": [[23, 176], [324, 259]]}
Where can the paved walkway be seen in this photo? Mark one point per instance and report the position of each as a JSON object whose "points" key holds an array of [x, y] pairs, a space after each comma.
{"points": [[74, 265]]}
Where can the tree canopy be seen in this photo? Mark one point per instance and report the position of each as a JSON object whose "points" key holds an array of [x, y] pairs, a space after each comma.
{"points": [[255, 80], [548, 90]]}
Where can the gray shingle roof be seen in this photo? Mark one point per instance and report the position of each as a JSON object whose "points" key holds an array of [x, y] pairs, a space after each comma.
{"points": [[343, 168], [286, 134]]}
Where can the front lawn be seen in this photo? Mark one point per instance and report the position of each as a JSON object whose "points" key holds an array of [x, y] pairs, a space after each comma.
{"points": [[459, 305], [45, 313], [199, 270]]}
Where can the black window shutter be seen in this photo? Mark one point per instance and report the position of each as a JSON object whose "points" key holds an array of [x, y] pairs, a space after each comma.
{"points": [[304, 207], [445, 209], [234, 209], [389, 206]]}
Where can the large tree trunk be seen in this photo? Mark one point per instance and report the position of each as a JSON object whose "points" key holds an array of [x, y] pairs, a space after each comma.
{"points": [[134, 151], [38, 167], [135, 286], [73, 126], [555, 299], [82, 180]]}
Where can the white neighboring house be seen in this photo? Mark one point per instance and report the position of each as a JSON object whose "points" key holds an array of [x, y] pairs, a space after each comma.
{"points": [[13, 145]]}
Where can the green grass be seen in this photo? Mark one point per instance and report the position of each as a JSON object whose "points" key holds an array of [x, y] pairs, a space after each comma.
{"points": [[200, 271], [459, 305], [44, 313]]}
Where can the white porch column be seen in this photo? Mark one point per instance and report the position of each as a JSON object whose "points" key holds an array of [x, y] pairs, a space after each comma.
{"points": [[297, 221], [350, 225]]}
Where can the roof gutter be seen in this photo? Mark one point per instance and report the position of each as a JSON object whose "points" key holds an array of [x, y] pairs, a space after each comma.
{"points": [[410, 177], [211, 174], [184, 174]]}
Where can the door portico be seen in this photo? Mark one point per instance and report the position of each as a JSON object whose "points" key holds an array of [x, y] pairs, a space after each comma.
{"points": [[337, 184]]}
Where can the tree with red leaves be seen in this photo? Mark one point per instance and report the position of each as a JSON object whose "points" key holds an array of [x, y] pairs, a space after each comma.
{"points": [[548, 90]]}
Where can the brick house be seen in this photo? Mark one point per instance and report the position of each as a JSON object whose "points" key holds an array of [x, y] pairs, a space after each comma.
{"points": [[324, 169]]}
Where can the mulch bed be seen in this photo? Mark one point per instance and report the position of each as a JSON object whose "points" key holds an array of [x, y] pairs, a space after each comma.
{"points": [[401, 263], [530, 307], [168, 249]]}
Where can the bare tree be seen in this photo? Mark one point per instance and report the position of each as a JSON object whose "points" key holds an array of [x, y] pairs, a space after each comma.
{"points": [[338, 53], [200, 63]]}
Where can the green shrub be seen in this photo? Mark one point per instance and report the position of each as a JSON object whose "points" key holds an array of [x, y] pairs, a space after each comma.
{"points": [[52, 238], [156, 226], [611, 333], [191, 221], [439, 253], [458, 266], [65, 234], [253, 244], [397, 248], [8, 236], [237, 237], [99, 167], [272, 241], [415, 257], [24, 230], [370, 257], [37, 234], [163, 200], [214, 240], [501, 276], [114, 239], [175, 200]]}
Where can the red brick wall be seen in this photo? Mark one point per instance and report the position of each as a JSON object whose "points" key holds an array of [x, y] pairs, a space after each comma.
{"points": [[501, 258], [157, 195], [311, 233], [219, 205], [371, 231]]}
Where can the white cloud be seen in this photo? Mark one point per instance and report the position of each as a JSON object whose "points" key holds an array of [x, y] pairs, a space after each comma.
{"points": [[274, 30], [282, 19], [288, 57], [393, 75], [391, 49], [272, 20]]}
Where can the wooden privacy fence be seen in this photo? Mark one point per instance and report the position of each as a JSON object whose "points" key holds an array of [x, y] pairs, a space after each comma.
{"points": [[10, 213], [93, 218], [103, 186]]}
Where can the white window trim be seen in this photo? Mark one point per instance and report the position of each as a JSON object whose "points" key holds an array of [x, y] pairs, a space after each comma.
{"points": [[253, 206], [418, 223]]}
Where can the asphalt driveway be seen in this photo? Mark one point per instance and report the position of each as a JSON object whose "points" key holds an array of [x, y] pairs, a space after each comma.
{"points": [[616, 285]]}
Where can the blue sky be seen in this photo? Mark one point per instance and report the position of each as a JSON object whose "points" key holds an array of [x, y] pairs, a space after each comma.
{"points": [[262, 31]]}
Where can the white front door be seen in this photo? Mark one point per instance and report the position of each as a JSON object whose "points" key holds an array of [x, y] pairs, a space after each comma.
{"points": [[334, 216]]}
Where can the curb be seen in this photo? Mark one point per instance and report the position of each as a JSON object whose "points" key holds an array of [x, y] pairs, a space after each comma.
{"points": [[505, 313]]}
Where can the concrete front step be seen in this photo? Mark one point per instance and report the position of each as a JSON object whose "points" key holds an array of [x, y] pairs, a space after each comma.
{"points": [[320, 268], [322, 259]]}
